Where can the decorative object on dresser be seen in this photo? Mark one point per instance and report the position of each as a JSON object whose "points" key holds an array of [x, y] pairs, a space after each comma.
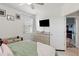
{"points": [[2, 12], [10, 17]]}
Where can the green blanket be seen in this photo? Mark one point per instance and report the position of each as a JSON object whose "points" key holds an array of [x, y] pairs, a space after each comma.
{"points": [[24, 48]]}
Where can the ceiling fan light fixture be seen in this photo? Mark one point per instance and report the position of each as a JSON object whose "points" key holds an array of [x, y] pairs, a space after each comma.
{"points": [[29, 3]]}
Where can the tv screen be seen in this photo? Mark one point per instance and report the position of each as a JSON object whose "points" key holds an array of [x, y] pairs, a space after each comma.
{"points": [[44, 23]]}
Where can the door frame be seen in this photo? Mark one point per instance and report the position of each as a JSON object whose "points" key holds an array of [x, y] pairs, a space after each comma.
{"points": [[76, 38]]}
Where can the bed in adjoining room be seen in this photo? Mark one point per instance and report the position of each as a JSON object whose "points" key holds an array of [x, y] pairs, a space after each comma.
{"points": [[20, 47]]}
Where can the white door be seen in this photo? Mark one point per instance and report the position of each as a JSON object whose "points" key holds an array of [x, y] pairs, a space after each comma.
{"points": [[58, 32], [28, 25], [28, 28]]}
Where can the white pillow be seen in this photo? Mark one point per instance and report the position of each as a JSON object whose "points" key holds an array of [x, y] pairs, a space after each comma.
{"points": [[6, 50]]}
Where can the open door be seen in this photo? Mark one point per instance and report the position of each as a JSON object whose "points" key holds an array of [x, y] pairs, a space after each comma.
{"points": [[70, 32]]}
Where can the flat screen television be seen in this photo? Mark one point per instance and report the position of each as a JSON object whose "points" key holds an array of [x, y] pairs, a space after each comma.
{"points": [[44, 23]]}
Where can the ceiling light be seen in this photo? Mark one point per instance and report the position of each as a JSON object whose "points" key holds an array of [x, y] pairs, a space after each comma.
{"points": [[21, 4], [29, 3]]}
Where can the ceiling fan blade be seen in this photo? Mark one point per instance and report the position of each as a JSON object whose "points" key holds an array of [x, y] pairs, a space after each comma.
{"points": [[33, 5], [40, 3]]}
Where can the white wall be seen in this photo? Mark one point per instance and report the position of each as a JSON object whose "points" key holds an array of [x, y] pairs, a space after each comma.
{"points": [[77, 31], [58, 32], [47, 13], [56, 29], [69, 8], [11, 28]]}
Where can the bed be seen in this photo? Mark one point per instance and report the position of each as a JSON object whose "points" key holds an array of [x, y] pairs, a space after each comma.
{"points": [[30, 48]]}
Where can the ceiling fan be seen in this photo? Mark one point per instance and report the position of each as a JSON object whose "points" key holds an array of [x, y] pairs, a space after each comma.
{"points": [[32, 5], [40, 3]]}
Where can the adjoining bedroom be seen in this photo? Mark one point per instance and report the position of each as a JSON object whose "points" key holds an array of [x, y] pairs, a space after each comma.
{"points": [[38, 29]]}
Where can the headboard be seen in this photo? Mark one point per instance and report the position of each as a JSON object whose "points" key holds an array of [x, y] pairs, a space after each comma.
{"points": [[13, 39]]}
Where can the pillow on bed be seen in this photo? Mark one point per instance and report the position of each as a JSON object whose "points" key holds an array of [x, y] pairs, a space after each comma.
{"points": [[5, 41], [13, 40], [6, 50]]}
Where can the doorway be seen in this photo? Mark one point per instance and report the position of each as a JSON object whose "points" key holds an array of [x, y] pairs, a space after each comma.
{"points": [[70, 32]]}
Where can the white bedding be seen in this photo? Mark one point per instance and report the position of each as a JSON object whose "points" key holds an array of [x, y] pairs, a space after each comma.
{"points": [[5, 50], [45, 50], [42, 49]]}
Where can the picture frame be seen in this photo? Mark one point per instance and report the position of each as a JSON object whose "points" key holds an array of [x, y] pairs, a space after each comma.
{"points": [[10, 17], [17, 16], [2, 12]]}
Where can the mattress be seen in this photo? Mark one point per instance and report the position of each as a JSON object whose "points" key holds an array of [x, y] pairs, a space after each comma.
{"points": [[30, 48], [23, 48]]}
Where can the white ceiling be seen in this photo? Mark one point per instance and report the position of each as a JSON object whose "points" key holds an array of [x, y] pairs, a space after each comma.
{"points": [[76, 13], [46, 8]]}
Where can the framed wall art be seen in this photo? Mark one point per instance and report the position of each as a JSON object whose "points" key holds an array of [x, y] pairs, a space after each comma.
{"points": [[2, 12], [17, 16], [10, 17]]}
